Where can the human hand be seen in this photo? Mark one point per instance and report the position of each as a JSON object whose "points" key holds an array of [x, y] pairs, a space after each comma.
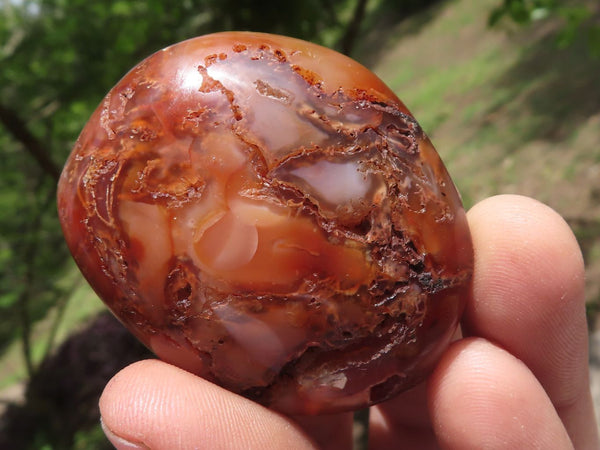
{"points": [[518, 380]]}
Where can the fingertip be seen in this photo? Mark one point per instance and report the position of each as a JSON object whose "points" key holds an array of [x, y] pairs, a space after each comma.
{"points": [[117, 441], [152, 404], [528, 290], [480, 396], [528, 239], [118, 411], [528, 242]]}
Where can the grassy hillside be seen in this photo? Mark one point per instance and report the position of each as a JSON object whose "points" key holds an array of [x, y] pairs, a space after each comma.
{"points": [[507, 109]]}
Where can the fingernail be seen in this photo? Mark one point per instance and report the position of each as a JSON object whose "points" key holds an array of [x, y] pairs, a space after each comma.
{"points": [[119, 442]]}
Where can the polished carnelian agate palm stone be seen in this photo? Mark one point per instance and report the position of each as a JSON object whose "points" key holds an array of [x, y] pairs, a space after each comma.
{"points": [[265, 213]]}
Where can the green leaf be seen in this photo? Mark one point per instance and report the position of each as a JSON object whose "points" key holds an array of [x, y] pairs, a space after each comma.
{"points": [[594, 41]]}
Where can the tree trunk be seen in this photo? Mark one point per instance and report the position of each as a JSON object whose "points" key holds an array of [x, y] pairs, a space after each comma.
{"points": [[353, 29]]}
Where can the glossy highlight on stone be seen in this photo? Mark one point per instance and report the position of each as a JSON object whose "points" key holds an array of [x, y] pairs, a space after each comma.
{"points": [[267, 214]]}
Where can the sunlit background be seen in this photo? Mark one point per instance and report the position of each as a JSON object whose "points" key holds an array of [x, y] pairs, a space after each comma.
{"points": [[508, 90]]}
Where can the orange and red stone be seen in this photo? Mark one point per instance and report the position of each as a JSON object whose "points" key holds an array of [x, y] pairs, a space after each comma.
{"points": [[267, 214]]}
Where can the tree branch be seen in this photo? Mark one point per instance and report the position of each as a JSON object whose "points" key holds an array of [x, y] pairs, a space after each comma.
{"points": [[20, 132]]}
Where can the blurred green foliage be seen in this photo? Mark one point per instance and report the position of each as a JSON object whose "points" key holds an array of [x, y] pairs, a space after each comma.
{"points": [[578, 18]]}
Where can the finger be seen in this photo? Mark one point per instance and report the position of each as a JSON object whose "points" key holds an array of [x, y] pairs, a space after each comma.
{"points": [[483, 397], [402, 422], [154, 405], [528, 297], [328, 432]]}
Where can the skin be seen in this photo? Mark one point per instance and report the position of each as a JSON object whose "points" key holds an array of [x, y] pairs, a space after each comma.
{"points": [[517, 379]]}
